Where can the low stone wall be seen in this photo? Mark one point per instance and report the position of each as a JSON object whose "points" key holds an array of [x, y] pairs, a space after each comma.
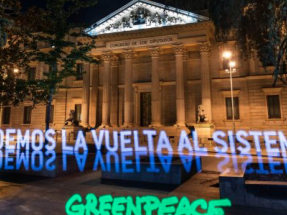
{"points": [[175, 175], [256, 193]]}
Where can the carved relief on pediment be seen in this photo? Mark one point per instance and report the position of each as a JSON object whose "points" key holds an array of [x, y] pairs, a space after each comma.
{"points": [[143, 14], [142, 18]]}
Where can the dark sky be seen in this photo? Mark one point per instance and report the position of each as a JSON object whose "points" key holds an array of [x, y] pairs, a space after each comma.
{"points": [[87, 16]]}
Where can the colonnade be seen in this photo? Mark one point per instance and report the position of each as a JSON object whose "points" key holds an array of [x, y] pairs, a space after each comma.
{"points": [[110, 106]]}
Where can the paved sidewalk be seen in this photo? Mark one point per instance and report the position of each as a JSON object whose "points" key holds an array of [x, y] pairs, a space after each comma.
{"points": [[33, 195]]}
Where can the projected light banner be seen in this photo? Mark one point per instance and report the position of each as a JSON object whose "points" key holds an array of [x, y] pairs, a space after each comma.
{"points": [[102, 138], [27, 150]]}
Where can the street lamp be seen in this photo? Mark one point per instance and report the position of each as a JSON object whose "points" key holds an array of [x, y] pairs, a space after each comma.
{"points": [[16, 70], [228, 55]]}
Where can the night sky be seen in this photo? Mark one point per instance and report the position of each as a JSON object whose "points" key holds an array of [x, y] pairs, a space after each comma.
{"points": [[87, 16]]}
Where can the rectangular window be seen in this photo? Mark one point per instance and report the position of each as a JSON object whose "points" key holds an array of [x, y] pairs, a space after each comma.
{"points": [[27, 115], [273, 103], [32, 74], [78, 112], [79, 71], [6, 115], [229, 108], [51, 113]]}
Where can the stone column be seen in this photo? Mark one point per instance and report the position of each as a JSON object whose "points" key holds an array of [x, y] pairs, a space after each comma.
{"points": [[204, 49], [106, 89], [86, 96], [137, 108], [128, 54], [180, 102], [186, 91], [114, 92], [155, 91], [94, 95]]}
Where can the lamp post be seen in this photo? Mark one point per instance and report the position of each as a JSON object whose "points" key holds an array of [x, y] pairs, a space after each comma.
{"points": [[228, 55]]}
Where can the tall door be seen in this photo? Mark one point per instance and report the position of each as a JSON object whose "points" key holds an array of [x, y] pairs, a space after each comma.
{"points": [[145, 108]]}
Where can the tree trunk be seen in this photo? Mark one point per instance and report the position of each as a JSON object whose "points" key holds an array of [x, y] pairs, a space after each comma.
{"points": [[48, 111], [52, 73], [1, 110], [280, 60]]}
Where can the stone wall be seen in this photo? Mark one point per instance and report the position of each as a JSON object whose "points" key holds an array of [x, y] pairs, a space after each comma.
{"points": [[249, 80]]}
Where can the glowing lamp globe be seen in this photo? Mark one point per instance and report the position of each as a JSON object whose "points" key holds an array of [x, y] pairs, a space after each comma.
{"points": [[232, 64], [227, 55]]}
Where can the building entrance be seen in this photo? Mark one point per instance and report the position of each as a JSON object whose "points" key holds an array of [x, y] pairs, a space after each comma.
{"points": [[145, 108]]}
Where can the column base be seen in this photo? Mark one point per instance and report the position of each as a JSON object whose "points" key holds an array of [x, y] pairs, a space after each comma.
{"points": [[155, 125], [180, 125], [128, 125], [104, 126], [85, 125]]}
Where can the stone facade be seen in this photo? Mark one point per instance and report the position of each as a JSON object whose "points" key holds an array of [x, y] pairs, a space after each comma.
{"points": [[181, 67]]}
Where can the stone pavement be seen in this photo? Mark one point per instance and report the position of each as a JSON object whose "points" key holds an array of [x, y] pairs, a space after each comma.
{"points": [[35, 195]]}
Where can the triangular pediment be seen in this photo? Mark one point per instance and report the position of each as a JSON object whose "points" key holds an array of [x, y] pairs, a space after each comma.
{"points": [[143, 14]]}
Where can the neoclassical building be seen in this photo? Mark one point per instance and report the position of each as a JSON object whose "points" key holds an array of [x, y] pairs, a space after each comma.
{"points": [[159, 65]]}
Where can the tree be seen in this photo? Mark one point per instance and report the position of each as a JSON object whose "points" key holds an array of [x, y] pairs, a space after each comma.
{"points": [[7, 7], [15, 43], [21, 36], [64, 48], [256, 25]]}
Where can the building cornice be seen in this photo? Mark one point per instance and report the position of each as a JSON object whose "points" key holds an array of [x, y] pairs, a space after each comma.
{"points": [[244, 78], [206, 25]]}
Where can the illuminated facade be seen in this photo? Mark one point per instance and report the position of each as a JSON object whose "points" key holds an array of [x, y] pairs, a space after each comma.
{"points": [[160, 67]]}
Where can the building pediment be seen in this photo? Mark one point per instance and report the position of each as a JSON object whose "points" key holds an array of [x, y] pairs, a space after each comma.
{"points": [[143, 14]]}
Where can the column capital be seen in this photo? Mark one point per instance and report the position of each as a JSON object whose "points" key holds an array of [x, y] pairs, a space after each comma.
{"points": [[179, 49], [107, 56], [115, 61], [204, 48], [128, 53], [155, 51]]}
